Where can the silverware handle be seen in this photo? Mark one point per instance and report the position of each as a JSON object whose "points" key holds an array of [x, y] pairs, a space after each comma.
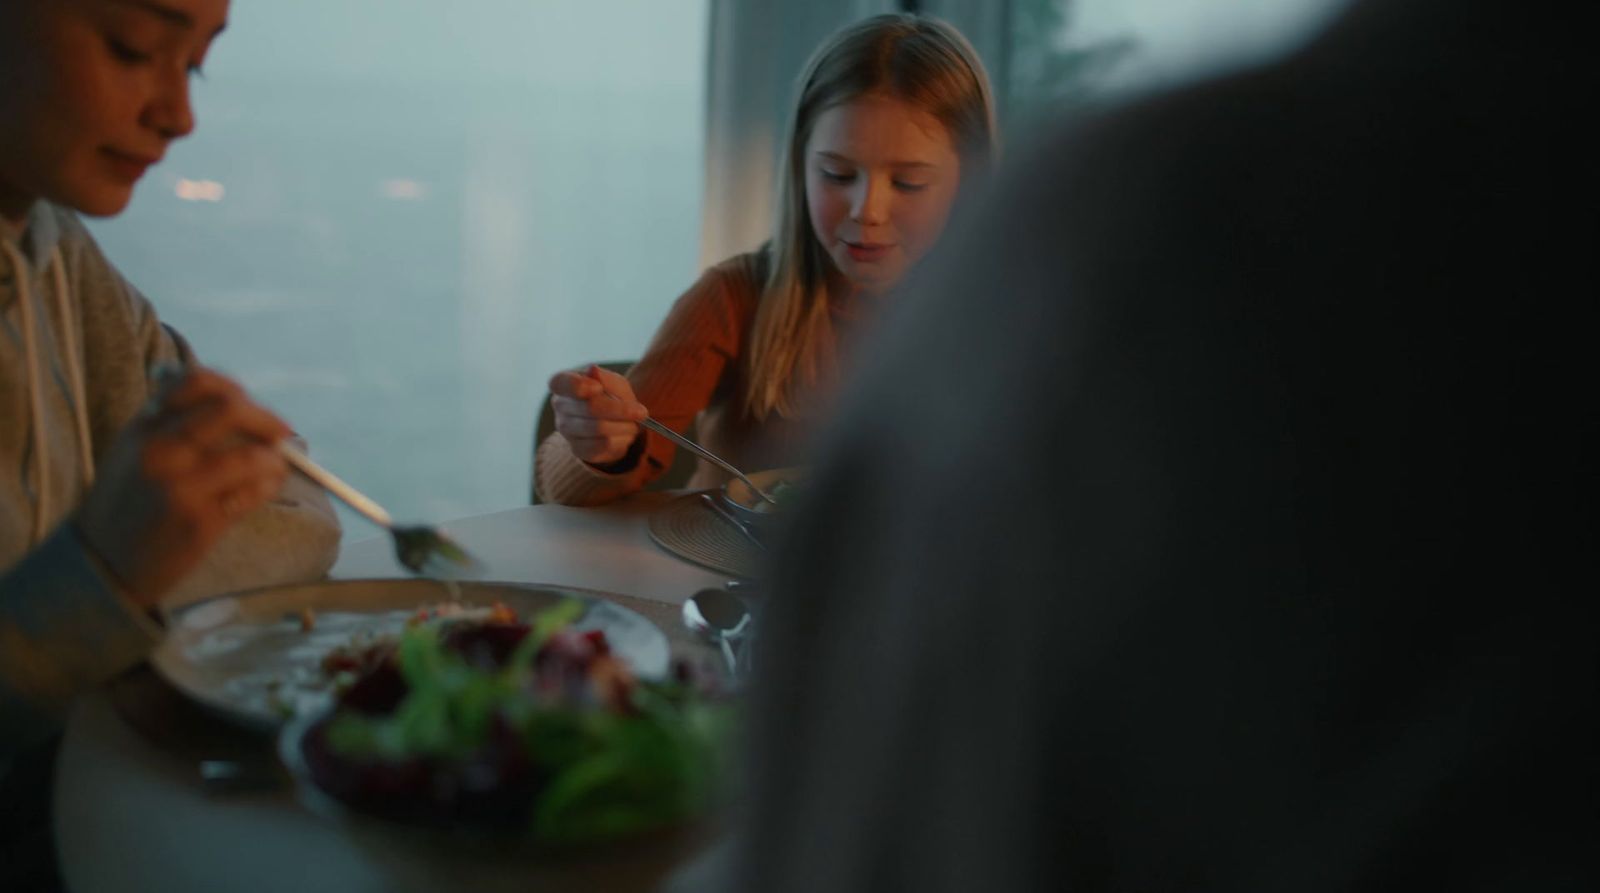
{"points": [[711, 503], [697, 449], [330, 482], [703, 453]]}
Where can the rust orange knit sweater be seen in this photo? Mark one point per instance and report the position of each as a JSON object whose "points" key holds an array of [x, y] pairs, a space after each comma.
{"points": [[690, 370]]}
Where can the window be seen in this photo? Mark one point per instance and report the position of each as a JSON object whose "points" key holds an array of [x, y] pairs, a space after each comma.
{"points": [[398, 217], [1062, 52]]}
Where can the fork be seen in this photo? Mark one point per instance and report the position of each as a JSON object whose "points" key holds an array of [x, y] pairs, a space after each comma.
{"points": [[706, 454], [697, 449], [422, 549]]}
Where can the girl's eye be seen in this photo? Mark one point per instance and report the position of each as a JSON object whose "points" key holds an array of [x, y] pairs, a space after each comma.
{"points": [[910, 187], [127, 54], [838, 176]]}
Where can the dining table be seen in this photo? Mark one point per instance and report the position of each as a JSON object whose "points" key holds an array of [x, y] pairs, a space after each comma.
{"points": [[132, 813]]}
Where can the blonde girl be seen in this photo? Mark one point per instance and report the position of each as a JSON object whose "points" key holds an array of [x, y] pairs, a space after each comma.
{"points": [[893, 118]]}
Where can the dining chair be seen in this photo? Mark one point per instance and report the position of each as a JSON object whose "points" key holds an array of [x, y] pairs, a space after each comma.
{"points": [[676, 476]]}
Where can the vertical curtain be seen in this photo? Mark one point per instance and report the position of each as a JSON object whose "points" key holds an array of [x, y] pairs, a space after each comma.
{"points": [[756, 49]]}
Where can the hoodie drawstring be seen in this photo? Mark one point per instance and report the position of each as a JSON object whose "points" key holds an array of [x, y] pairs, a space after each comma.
{"points": [[78, 399], [80, 393]]}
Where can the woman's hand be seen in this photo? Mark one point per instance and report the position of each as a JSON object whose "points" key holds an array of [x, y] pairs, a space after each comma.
{"points": [[177, 477], [597, 413]]}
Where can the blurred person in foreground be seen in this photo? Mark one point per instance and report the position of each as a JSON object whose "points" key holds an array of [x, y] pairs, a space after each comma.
{"points": [[115, 493], [1230, 538]]}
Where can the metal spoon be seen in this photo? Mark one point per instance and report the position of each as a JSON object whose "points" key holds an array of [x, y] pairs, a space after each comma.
{"points": [[423, 550], [719, 616]]}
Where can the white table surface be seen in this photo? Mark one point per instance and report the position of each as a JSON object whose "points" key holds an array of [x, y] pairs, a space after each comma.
{"points": [[130, 815]]}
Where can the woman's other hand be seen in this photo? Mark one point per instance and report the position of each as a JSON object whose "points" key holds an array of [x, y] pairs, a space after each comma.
{"points": [[597, 412], [177, 477]]}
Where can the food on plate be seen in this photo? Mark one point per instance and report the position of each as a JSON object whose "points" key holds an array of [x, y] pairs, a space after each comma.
{"points": [[784, 485], [302, 687], [783, 493], [491, 722]]}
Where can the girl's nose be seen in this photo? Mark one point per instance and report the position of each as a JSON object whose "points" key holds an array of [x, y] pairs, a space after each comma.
{"points": [[870, 204]]}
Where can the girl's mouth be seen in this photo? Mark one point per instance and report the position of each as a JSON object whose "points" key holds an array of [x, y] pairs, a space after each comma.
{"points": [[866, 252]]}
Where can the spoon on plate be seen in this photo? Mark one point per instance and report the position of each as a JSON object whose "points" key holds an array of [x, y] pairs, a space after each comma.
{"points": [[720, 617]]}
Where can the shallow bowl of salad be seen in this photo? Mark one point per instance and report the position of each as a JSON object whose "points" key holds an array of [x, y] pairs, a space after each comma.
{"points": [[503, 752]]}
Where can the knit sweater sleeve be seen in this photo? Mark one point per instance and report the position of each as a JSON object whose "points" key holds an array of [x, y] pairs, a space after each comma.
{"points": [[64, 627], [692, 357], [293, 538]]}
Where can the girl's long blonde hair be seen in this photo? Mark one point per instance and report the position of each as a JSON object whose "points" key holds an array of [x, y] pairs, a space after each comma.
{"points": [[923, 62]]}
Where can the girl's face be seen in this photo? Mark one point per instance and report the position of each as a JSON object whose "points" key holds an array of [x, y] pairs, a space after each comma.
{"points": [[881, 176], [96, 91]]}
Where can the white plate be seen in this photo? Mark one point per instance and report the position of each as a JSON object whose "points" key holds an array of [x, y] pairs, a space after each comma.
{"points": [[246, 657]]}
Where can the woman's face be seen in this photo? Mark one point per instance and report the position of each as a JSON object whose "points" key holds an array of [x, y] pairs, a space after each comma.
{"points": [[104, 91], [881, 177]]}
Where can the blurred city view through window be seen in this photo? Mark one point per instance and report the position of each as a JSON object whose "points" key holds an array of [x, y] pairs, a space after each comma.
{"points": [[397, 217]]}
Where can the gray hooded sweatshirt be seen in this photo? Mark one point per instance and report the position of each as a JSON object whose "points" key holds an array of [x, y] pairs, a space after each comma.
{"points": [[76, 344]]}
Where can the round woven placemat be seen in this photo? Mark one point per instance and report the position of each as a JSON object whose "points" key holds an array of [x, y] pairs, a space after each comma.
{"points": [[692, 530]]}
